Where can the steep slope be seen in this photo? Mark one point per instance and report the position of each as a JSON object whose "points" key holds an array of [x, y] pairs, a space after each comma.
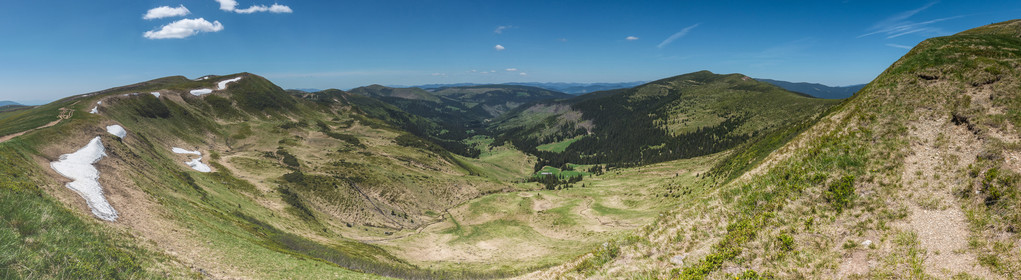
{"points": [[914, 177], [226, 177], [817, 90], [679, 117]]}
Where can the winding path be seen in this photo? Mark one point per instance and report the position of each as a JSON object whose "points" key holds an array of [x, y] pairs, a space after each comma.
{"points": [[64, 114]]}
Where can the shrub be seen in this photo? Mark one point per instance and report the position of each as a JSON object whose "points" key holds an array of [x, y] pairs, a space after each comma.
{"points": [[841, 193]]}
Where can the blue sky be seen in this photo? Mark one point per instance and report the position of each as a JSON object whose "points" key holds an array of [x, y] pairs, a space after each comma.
{"points": [[53, 49]]}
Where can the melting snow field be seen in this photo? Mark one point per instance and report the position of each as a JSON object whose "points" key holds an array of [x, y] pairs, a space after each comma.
{"points": [[177, 150], [195, 163], [96, 109], [201, 91], [117, 130], [78, 167], [156, 94], [198, 165], [223, 84]]}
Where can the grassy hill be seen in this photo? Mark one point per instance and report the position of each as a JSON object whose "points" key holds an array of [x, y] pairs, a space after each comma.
{"points": [[914, 177], [679, 117], [298, 181]]}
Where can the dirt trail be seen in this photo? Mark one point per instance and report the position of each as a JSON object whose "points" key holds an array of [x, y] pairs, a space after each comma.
{"points": [[936, 215], [64, 114], [613, 223]]}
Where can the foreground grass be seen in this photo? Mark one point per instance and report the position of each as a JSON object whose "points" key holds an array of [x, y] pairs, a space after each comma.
{"points": [[40, 238]]}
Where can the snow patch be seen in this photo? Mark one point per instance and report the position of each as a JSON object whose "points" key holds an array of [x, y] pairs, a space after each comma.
{"points": [[195, 163], [78, 167], [177, 150], [223, 84], [202, 78], [156, 94], [117, 130], [201, 91], [198, 165], [94, 110]]}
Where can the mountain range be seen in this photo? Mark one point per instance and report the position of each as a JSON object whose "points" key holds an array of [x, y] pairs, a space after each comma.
{"points": [[817, 90], [695, 176]]}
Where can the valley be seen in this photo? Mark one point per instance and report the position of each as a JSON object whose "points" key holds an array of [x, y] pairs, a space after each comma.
{"points": [[695, 176]]}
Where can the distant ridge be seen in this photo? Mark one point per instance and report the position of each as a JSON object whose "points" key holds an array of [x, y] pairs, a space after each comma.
{"points": [[817, 90], [568, 88], [7, 103]]}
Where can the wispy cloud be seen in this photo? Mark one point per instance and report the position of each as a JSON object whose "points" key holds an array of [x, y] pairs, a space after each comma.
{"points": [[899, 46], [512, 69], [523, 74], [631, 38], [500, 29], [183, 29], [232, 6], [165, 12], [275, 8], [677, 35], [900, 24], [499, 47]]}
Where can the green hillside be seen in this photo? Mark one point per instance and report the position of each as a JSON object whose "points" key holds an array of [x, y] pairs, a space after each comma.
{"points": [[297, 181], [914, 177], [680, 117]]}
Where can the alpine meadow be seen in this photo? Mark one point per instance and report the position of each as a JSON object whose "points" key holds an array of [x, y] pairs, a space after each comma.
{"points": [[531, 140]]}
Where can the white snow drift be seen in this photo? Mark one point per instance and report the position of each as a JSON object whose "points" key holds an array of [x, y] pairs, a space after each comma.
{"points": [[223, 84], [177, 150], [195, 163], [156, 94], [201, 91], [117, 130], [78, 167], [95, 110]]}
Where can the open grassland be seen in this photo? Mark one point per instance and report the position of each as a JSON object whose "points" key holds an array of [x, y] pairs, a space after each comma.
{"points": [[558, 146], [522, 230]]}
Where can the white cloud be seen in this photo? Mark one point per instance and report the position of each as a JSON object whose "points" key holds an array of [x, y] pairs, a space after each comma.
{"points": [[677, 35], [439, 74], [231, 6], [900, 25], [184, 28], [512, 69], [631, 38], [276, 8], [899, 46], [228, 5], [499, 47], [166, 11], [500, 29], [523, 74]]}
